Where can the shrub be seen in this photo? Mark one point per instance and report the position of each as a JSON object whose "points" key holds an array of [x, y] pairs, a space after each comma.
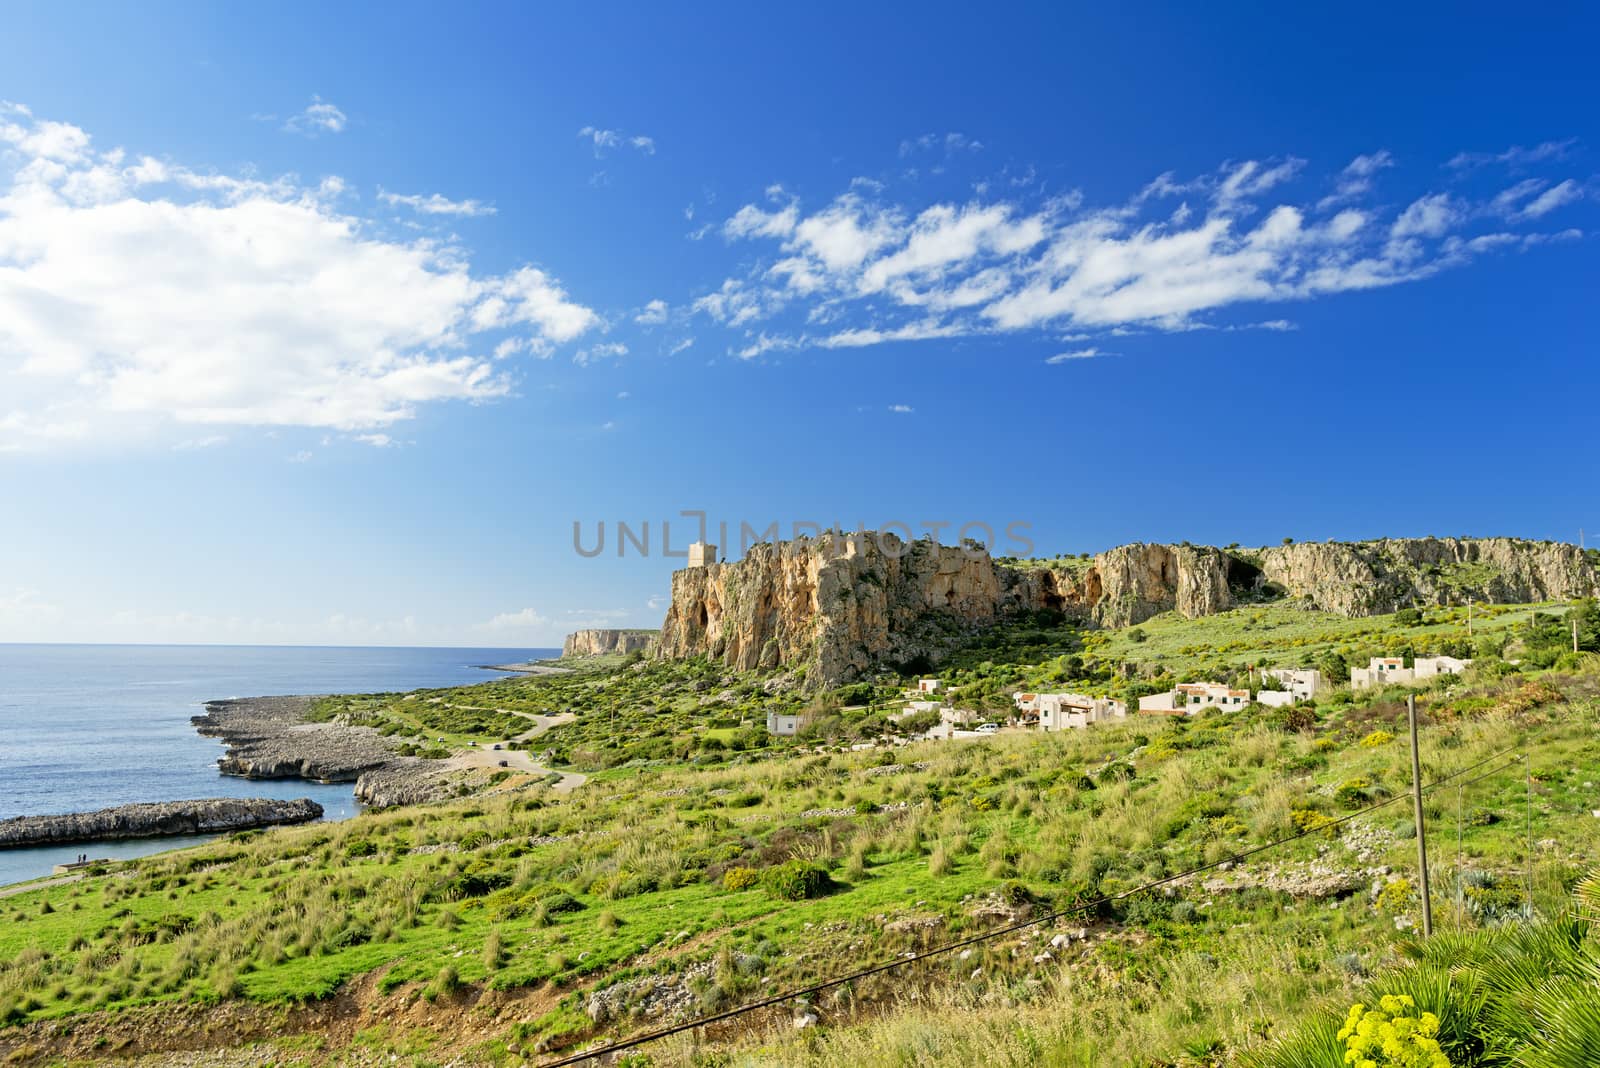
{"points": [[1395, 895], [735, 879], [1376, 739], [797, 880], [1385, 1036]]}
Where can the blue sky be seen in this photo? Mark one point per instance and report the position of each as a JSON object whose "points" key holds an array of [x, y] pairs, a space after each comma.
{"points": [[326, 325]]}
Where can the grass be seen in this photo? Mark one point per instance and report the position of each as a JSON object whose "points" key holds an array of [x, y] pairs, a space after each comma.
{"points": [[621, 885]]}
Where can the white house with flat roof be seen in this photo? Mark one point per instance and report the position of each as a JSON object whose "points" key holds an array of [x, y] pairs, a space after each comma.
{"points": [[1380, 671], [786, 725], [1427, 667], [1301, 684], [1389, 670], [1066, 711], [1188, 698]]}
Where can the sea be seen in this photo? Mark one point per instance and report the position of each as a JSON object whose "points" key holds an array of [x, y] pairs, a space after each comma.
{"points": [[85, 727]]}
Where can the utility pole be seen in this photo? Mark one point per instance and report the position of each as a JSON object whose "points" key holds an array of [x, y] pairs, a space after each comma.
{"points": [[1422, 830], [1574, 635], [1469, 617]]}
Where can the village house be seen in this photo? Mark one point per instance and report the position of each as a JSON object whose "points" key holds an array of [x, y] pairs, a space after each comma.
{"points": [[1188, 698], [927, 685], [787, 725], [1389, 670], [1065, 711], [1299, 684]]}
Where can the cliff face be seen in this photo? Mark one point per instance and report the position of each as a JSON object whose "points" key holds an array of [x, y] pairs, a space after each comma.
{"points": [[837, 605], [600, 642], [1371, 578], [840, 606]]}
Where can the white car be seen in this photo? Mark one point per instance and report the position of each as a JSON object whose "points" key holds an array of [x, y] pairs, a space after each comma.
{"points": [[988, 728]]}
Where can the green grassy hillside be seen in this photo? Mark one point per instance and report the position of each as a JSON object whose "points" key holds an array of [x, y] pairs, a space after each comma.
{"points": [[686, 878]]}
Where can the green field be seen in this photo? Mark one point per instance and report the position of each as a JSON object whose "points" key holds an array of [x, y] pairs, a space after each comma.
{"points": [[698, 875]]}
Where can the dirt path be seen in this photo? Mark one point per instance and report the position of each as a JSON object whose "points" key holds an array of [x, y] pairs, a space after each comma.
{"points": [[23, 888], [485, 755]]}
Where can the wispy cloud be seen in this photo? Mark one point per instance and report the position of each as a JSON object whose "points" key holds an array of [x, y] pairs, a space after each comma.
{"points": [[901, 409], [435, 204], [605, 350], [1357, 178], [1078, 354], [949, 144], [652, 314], [1515, 157], [604, 141], [318, 117]]}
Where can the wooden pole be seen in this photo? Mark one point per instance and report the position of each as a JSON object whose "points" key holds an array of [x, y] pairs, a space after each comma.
{"points": [[1422, 830]]}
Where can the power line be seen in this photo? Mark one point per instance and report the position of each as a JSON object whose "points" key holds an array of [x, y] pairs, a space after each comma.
{"points": [[912, 958]]}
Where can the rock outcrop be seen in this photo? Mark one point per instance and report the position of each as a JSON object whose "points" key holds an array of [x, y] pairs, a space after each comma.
{"points": [[1374, 577], [406, 781], [601, 642], [840, 605], [213, 815], [269, 738]]}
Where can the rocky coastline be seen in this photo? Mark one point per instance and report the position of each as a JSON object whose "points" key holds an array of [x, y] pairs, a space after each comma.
{"points": [[271, 738], [213, 815]]}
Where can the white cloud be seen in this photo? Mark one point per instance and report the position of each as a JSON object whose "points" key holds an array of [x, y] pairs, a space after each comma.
{"points": [[190, 444], [602, 141], [901, 409], [435, 204], [377, 441], [526, 619], [1551, 199], [1427, 216], [22, 610], [1357, 177], [950, 144], [1515, 157], [878, 270], [653, 314], [605, 350], [301, 457], [319, 117], [136, 295], [680, 346], [1077, 354]]}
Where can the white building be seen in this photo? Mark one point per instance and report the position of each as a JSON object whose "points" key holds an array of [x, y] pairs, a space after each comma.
{"points": [[1301, 684], [787, 724], [702, 554], [1188, 698], [927, 685], [1426, 667], [1066, 711], [1389, 670]]}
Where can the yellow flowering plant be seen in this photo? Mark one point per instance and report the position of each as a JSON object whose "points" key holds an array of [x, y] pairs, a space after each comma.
{"points": [[1388, 1035]]}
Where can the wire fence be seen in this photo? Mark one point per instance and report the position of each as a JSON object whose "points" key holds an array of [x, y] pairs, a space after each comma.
{"points": [[910, 958]]}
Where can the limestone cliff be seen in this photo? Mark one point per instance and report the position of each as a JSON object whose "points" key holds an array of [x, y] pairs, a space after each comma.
{"points": [[840, 605], [1374, 577], [600, 642]]}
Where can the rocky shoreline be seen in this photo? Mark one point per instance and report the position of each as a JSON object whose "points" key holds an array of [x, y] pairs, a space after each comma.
{"points": [[270, 738], [212, 815]]}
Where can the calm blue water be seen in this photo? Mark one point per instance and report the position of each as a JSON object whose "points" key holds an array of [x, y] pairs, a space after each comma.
{"points": [[87, 726]]}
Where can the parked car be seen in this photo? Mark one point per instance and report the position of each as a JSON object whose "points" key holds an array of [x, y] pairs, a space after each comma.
{"points": [[988, 728]]}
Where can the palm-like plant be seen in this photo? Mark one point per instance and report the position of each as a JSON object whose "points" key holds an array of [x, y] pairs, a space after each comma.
{"points": [[1523, 995]]}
